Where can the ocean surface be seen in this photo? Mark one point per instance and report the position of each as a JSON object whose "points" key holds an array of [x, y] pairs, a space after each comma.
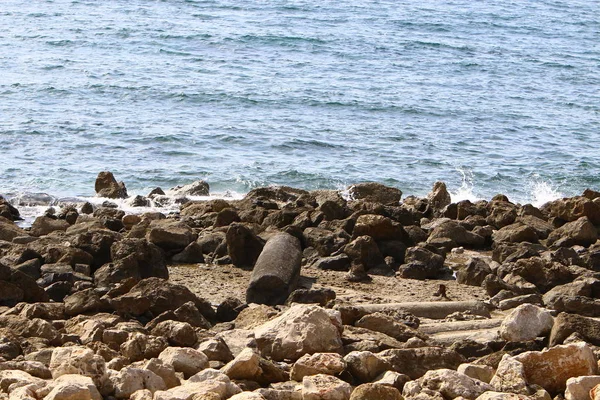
{"points": [[490, 97]]}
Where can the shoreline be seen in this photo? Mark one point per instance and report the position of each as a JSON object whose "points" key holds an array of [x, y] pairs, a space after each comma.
{"points": [[390, 294]]}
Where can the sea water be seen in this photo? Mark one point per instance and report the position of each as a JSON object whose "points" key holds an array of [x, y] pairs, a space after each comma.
{"points": [[490, 97]]}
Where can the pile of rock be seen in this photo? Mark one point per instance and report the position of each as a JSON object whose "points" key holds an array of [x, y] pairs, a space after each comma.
{"points": [[87, 310]]}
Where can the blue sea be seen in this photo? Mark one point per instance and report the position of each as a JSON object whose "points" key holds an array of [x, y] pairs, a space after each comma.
{"points": [[490, 97]]}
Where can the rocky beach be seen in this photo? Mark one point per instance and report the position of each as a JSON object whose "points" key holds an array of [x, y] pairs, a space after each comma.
{"points": [[284, 294]]}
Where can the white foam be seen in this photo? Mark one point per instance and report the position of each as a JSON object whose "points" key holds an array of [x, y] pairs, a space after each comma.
{"points": [[542, 192], [466, 189]]}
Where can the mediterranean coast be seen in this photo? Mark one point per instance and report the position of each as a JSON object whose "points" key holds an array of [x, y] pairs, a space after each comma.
{"points": [[365, 293]]}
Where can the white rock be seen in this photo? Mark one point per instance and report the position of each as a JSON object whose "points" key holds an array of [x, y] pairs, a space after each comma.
{"points": [[502, 396], [526, 322], [184, 359], [209, 374], [595, 393], [302, 329], [579, 388], [484, 373], [143, 394], [166, 372], [27, 392], [325, 387], [247, 396], [130, 380], [237, 340], [551, 368], [189, 390], [510, 377], [78, 360], [245, 365], [73, 387], [318, 363], [10, 377], [452, 384], [366, 366]]}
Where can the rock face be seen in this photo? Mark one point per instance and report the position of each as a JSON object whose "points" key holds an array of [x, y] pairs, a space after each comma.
{"points": [[107, 186], [303, 329], [526, 322], [551, 368], [276, 272]]}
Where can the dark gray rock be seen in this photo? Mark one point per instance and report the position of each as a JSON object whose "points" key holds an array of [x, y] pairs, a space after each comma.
{"points": [[243, 246]]}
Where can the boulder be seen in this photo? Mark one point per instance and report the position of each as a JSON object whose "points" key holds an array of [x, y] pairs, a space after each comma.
{"points": [[510, 377], [578, 388], [501, 213], [322, 240], [184, 359], [363, 251], [130, 379], [567, 324], [417, 361], [243, 246], [439, 197], [166, 372], [302, 329], [169, 234], [366, 366], [460, 235], [525, 323], [551, 368], [44, 225], [73, 386], [245, 365], [107, 186], [541, 227], [571, 209], [318, 363], [8, 211], [452, 384], [276, 272], [196, 188], [177, 333], [580, 232], [216, 350], [9, 231], [515, 233], [205, 390], [578, 297], [140, 346], [379, 228], [483, 373], [325, 387], [375, 193], [78, 360], [156, 295], [371, 391], [421, 263], [474, 272], [544, 274]]}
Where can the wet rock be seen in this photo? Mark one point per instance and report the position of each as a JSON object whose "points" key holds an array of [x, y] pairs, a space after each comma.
{"points": [[526, 322], [580, 232], [9, 231], [303, 329], [375, 193], [197, 188], [276, 272], [243, 246], [8, 211], [325, 387], [107, 186], [567, 324], [318, 363]]}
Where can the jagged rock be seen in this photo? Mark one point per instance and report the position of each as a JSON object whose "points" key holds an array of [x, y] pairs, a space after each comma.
{"points": [[8, 211], [192, 254], [177, 333], [107, 186], [363, 250], [73, 386], [323, 240], [578, 297], [78, 360], [439, 197], [551, 368], [155, 296], [166, 372], [24, 327], [501, 213], [44, 225], [474, 272], [325, 387], [452, 384], [366, 366], [379, 228], [515, 233], [184, 359], [131, 379], [169, 235], [580, 232], [140, 346], [567, 324], [245, 365], [541, 227], [216, 350], [318, 363], [211, 374], [510, 376], [571, 209], [484, 373], [9, 231], [526, 322], [375, 193], [421, 263], [386, 324], [243, 246], [416, 362], [453, 230], [303, 329], [542, 273]]}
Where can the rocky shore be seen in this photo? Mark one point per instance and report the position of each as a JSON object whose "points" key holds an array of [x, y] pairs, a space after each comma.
{"points": [[291, 294]]}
